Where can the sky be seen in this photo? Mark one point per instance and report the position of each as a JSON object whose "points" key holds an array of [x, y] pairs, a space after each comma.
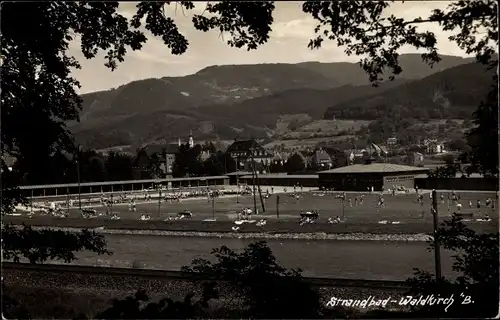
{"points": [[292, 30]]}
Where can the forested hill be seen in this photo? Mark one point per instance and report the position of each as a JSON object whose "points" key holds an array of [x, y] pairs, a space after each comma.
{"points": [[452, 93], [231, 84], [221, 102]]}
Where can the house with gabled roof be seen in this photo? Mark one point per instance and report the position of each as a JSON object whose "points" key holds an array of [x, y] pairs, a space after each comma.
{"points": [[243, 151], [321, 159]]}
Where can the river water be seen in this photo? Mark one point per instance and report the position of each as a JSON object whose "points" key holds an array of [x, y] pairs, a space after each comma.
{"points": [[377, 260]]}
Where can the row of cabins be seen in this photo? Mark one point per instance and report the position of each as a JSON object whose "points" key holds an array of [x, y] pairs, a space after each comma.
{"points": [[61, 190]]}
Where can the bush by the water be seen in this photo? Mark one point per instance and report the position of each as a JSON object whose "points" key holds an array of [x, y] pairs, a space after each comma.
{"points": [[475, 290]]}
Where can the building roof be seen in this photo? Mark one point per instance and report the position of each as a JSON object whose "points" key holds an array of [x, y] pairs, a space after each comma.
{"points": [[242, 145], [153, 148], [245, 147], [238, 173], [280, 156], [383, 149], [9, 160], [171, 148], [303, 154], [299, 153], [123, 182], [322, 155], [204, 155], [221, 145], [284, 176], [376, 168]]}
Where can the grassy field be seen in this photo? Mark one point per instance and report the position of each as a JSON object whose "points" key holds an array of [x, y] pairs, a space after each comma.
{"points": [[412, 217]]}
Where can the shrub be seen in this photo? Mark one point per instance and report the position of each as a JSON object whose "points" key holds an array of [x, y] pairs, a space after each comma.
{"points": [[476, 260]]}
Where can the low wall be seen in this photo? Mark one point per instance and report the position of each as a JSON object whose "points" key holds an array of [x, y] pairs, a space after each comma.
{"points": [[63, 291], [13, 267], [273, 229], [479, 184]]}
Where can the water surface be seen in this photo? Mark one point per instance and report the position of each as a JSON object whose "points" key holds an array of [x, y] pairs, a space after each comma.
{"points": [[317, 258]]}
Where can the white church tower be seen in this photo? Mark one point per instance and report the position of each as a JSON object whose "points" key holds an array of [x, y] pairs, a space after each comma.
{"points": [[191, 140]]}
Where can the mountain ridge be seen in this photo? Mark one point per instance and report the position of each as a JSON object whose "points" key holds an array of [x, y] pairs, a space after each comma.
{"points": [[233, 83]]}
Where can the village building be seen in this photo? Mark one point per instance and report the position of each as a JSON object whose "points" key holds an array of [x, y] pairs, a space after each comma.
{"points": [[392, 141], [244, 151], [167, 152], [433, 146], [279, 158], [414, 159], [321, 159]]}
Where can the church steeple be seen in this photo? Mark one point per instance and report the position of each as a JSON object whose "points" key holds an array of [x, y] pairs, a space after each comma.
{"points": [[191, 140]]}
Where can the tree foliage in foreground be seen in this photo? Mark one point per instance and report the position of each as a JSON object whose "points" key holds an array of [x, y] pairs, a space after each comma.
{"points": [[446, 172], [39, 246], [267, 289], [483, 138], [475, 260], [257, 284], [260, 288], [136, 307], [39, 93]]}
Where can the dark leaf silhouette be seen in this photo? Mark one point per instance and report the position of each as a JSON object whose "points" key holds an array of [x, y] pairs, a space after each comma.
{"points": [[39, 246], [268, 289], [476, 262]]}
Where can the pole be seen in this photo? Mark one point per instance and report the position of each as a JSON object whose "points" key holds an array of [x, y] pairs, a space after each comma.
{"points": [[437, 254], [79, 190], [31, 201], [159, 203], [111, 205], [213, 207], [258, 187], [67, 199], [253, 182], [237, 189], [278, 206], [237, 182], [343, 215]]}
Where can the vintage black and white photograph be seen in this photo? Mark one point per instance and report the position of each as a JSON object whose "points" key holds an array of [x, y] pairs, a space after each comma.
{"points": [[249, 159]]}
